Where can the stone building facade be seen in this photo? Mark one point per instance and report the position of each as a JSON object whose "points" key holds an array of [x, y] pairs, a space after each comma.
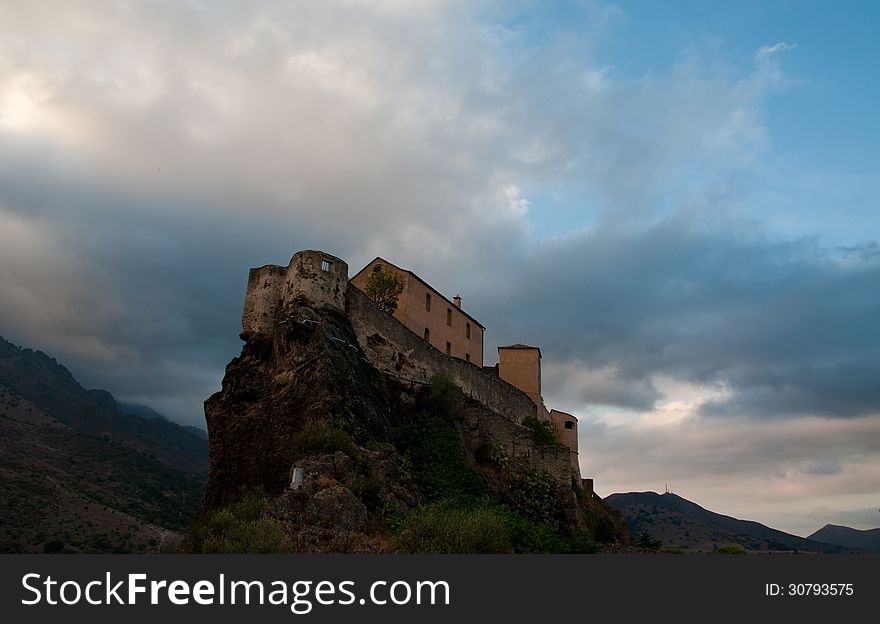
{"points": [[520, 366], [501, 396], [428, 313]]}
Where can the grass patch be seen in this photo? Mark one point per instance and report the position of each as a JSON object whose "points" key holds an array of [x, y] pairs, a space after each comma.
{"points": [[240, 528], [545, 432]]}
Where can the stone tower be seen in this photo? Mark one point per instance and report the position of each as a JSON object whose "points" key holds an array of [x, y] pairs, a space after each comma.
{"points": [[311, 276]]}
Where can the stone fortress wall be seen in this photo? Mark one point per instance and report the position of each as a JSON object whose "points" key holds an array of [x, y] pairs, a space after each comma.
{"points": [[495, 409]]}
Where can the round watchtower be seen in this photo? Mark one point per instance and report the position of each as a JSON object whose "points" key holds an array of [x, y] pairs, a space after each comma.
{"points": [[316, 278]]}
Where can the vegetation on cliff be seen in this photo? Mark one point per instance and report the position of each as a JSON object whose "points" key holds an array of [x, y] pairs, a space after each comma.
{"points": [[439, 498]]}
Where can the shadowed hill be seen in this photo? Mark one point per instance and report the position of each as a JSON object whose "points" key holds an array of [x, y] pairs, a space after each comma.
{"points": [[848, 537], [680, 523], [78, 474]]}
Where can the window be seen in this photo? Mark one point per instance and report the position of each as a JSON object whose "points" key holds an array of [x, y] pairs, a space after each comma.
{"points": [[377, 268], [428, 302], [449, 316], [467, 331], [448, 348], [467, 357], [427, 335], [569, 424], [325, 265]]}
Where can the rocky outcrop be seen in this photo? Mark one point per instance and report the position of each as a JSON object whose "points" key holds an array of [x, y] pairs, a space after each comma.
{"points": [[309, 368], [326, 515]]}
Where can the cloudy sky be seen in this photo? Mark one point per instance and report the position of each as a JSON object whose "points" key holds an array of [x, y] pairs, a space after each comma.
{"points": [[676, 201]]}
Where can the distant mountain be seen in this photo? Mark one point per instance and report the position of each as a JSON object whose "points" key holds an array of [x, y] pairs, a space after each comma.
{"points": [[851, 538], [679, 523], [80, 475], [140, 410], [150, 414]]}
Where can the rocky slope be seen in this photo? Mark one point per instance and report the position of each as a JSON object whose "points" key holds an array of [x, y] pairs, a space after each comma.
{"points": [[78, 474]]}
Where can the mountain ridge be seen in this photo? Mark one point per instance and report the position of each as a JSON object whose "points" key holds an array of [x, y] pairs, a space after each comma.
{"points": [[868, 539], [682, 524], [79, 475]]}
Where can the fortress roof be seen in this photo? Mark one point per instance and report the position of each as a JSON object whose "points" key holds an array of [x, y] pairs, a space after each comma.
{"points": [[520, 345], [407, 271]]}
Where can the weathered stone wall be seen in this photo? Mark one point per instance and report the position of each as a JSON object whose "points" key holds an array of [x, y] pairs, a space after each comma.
{"points": [[317, 277], [262, 299], [394, 349], [484, 427]]}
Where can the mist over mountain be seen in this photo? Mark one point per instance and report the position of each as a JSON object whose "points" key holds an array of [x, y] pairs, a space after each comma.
{"points": [[149, 413]]}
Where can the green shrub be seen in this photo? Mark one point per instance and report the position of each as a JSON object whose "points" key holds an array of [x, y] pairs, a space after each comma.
{"points": [[444, 398], [545, 432], [535, 495], [444, 528], [432, 445], [605, 531], [384, 287], [317, 438], [498, 456], [230, 535], [530, 537], [240, 528], [732, 550], [645, 540]]}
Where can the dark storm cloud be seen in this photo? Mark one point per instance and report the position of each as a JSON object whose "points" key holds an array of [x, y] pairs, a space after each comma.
{"points": [[788, 327]]}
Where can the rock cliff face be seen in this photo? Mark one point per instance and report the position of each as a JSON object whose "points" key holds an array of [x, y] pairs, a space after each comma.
{"points": [[308, 367]]}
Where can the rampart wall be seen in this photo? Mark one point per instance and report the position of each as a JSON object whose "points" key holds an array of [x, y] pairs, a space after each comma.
{"points": [[394, 349]]}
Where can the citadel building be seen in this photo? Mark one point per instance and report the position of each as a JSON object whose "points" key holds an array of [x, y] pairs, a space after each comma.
{"points": [[426, 312], [290, 311], [446, 326]]}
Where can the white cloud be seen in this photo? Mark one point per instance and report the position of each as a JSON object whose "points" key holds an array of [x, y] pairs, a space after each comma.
{"points": [[776, 48]]}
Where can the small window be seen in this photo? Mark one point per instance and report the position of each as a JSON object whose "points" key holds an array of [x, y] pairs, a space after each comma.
{"points": [[467, 357], [377, 268], [427, 334], [448, 348], [449, 316], [428, 302], [569, 424], [467, 331], [325, 265]]}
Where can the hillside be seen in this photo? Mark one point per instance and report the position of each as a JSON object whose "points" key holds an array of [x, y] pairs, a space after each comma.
{"points": [[850, 538], [680, 523], [78, 474]]}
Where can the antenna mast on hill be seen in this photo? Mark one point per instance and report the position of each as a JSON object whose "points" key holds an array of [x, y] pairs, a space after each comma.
{"points": [[667, 488]]}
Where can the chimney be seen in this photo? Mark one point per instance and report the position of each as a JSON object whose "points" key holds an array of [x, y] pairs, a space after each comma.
{"points": [[457, 301]]}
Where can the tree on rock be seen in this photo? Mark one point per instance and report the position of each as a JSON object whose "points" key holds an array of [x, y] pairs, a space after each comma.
{"points": [[384, 287]]}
